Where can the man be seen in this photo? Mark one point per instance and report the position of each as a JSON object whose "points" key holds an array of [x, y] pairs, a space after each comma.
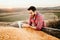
{"points": [[36, 19]]}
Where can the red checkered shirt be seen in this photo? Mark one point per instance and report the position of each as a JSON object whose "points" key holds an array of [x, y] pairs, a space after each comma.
{"points": [[38, 21]]}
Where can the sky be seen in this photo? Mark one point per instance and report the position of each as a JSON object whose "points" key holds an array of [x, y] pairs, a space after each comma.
{"points": [[27, 3]]}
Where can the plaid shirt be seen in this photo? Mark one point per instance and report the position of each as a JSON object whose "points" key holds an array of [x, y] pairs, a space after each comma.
{"points": [[38, 21]]}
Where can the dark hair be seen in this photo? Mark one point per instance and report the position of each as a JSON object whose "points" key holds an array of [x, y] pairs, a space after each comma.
{"points": [[32, 8]]}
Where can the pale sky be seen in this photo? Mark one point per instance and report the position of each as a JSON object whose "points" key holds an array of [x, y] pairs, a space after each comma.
{"points": [[27, 3]]}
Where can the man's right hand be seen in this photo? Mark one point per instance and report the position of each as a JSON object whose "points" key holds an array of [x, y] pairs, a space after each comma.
{"points": [[25, 25]]}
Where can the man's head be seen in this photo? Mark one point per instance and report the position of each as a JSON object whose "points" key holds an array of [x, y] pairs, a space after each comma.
{"points": [[31, 10]]}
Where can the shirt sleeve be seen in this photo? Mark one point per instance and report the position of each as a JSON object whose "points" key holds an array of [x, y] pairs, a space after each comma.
{"points": [[30, 23], [40, 22]]}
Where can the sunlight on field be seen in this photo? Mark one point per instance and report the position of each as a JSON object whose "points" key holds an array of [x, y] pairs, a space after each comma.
{"points": [[11, 33]]}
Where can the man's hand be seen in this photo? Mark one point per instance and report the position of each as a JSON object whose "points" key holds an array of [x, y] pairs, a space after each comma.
{"points": [[25, 25]]}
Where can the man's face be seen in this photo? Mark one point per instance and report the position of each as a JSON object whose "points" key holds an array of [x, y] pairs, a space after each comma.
{"points": [[31, 12]]}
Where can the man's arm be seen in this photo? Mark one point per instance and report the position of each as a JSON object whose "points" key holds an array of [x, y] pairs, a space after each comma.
{"points": [[30, 23], [40, 20]]}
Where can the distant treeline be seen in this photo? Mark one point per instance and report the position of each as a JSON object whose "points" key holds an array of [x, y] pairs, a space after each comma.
{"points": [[47, 9], [10, 10]]}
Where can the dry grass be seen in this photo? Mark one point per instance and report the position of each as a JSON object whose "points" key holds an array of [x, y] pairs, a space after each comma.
{"points": [[54, 24], [11, 33]]}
